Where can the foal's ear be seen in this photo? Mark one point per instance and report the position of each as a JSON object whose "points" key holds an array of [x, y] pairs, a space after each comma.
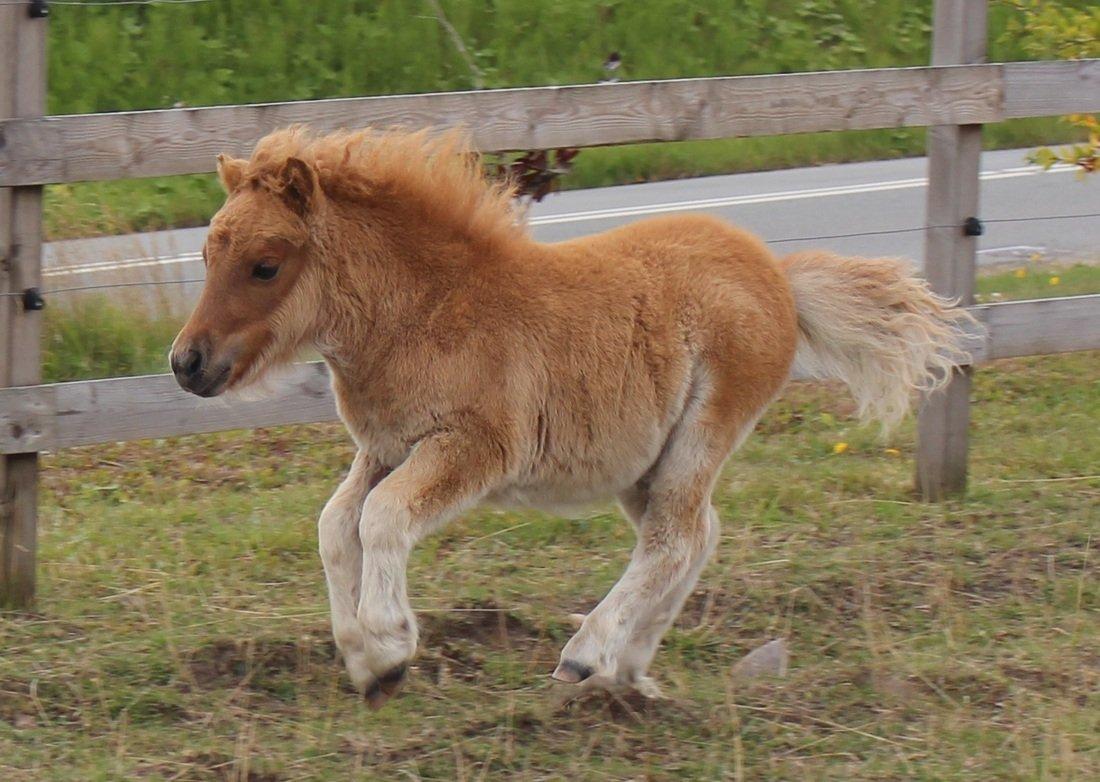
{"points": [[230, 172], [298, 184]]}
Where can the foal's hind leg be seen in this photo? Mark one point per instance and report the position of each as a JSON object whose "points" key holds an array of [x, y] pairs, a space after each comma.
{"points": [[672, 544], [651, 628], [342, 556], [678, 531], [676, 534]]}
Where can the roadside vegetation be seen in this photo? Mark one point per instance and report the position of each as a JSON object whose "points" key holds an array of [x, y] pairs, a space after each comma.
{"points": [[182, 631], [241, 51]]}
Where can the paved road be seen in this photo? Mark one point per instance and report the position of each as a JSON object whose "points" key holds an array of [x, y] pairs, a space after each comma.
{"points": [[778, 205]]}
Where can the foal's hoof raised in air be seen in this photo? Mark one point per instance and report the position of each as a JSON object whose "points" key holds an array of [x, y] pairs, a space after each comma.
{"points": [[571, 672], [385, 687]]}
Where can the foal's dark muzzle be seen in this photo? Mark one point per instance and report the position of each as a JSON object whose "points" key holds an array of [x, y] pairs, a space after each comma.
{"points": [[194, 371]]}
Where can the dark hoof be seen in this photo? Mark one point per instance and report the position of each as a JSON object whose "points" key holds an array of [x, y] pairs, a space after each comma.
{"points": [[572, 672], [385, 686]]}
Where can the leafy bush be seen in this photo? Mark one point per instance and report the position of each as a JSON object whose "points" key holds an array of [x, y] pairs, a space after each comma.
{"points": [[1067, 32]]}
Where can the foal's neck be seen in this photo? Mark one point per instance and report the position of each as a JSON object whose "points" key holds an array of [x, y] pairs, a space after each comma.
{"points": [[384, 273]]}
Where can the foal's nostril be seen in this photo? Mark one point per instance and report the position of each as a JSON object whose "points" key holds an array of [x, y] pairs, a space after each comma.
{"points": [[192, 362], [188, 364]]}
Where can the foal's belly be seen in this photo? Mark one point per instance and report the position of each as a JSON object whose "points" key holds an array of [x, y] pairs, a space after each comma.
{"points": [[560, 499], [566, 486], [591, 459]]}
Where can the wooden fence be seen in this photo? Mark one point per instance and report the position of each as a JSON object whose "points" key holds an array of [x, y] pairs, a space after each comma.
{"points": [[954, 97]]}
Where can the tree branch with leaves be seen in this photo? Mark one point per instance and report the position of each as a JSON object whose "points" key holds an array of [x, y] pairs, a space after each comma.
{"points": [[1045, 29]]}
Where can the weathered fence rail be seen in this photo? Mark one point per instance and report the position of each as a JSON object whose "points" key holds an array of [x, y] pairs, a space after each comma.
{"points": [[133, 144], [953, 99], [86, 412]]}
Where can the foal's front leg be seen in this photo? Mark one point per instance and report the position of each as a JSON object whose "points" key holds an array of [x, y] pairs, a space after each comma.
{"points": [[342, 556], [445, 474]]}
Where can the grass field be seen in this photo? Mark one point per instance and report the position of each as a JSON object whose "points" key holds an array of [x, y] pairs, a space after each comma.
{"points": [[246, 51], [181, 631]]}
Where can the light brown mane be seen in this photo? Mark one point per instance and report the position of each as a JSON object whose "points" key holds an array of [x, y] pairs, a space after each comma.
{"points": [[436, 173]]}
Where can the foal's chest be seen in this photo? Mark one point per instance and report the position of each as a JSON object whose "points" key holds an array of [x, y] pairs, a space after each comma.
{"points": [[386, 431]]}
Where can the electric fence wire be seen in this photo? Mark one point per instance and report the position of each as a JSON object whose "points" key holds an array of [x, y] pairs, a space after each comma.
{"points": [[785, 240]]}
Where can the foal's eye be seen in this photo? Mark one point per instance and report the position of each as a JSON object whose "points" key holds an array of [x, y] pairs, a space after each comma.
{"points": [[265, 271]]}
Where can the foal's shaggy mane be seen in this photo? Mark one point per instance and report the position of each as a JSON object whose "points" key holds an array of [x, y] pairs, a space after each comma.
{"points": [[437, 173]]}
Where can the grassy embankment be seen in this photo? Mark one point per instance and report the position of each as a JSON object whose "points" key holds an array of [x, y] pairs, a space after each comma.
{"points": [[181, 631], [241, 51]]}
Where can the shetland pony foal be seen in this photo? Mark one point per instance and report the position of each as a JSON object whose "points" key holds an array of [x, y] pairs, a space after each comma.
{"points": [[474, 365]]}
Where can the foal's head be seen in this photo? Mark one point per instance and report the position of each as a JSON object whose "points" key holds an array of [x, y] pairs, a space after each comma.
{"points": [[260, 296], [386, 200]]}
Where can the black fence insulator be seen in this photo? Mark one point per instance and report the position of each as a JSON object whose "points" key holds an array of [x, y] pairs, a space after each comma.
{"points": [[972, 226], [39, 9], [32, 300]]}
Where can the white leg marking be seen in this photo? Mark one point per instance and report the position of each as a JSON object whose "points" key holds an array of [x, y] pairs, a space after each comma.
{"points": [[431, 487], [384, 614], [637, 605], [342, 556], [643, 645]]}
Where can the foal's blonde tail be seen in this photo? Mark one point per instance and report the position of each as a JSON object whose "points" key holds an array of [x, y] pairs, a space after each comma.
{"points": [[870, 323]]}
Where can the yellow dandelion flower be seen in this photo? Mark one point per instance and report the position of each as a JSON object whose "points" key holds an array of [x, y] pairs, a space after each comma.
{"points": [[1035, 257], [1055, 280], [1021, 273], [840, 447], [893, 452]]}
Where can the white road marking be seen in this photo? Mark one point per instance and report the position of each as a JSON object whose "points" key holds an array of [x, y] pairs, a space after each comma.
{"points": [[127, 263], [1014, 249], [780, 195], [608, 214]]}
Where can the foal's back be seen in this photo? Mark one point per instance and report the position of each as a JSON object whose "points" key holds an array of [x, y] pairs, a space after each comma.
{"points": [[693, 291]]}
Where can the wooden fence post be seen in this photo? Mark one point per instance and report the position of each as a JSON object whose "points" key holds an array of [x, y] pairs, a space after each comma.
{"points": [[954, 161], [22, 94]]}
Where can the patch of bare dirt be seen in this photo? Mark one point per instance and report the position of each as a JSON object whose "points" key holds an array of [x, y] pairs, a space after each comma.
{"points": [[484, 624], [27, 704], [599, 706], [253, 663], [457, 643], [1018, 574], [1078, 681]]}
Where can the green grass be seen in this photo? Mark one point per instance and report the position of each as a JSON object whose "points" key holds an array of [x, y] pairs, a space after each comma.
{"points": [[96, 337], [181, 630], [243, 51], [1039, 280]]}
